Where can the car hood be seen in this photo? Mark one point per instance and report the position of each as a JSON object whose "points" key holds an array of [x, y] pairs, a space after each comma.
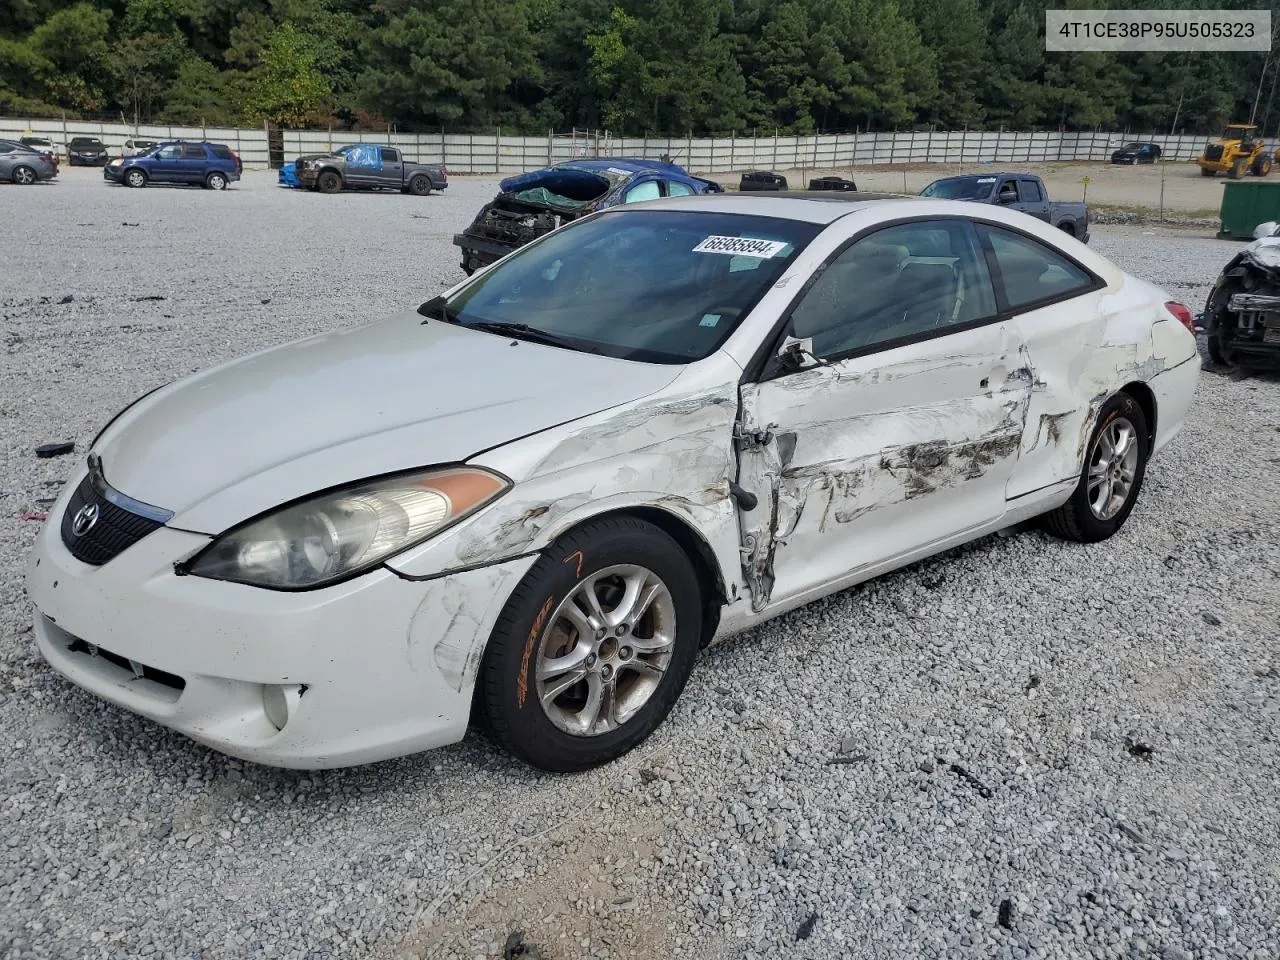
{"points": [[228, 443]]}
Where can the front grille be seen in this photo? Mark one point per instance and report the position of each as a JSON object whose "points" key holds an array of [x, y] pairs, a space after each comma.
{"points": [[1213, 152], [116, 529], [139, 670]]}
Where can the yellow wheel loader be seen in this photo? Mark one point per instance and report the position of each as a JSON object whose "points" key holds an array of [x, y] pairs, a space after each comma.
{"points": [[1237, 152]]}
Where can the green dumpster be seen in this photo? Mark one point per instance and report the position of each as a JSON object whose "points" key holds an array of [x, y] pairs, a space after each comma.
{"points": [[1245, 204]]}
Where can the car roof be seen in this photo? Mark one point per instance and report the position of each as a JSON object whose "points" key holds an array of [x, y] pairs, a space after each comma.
{"points": [[629, 164], [808, 206]]}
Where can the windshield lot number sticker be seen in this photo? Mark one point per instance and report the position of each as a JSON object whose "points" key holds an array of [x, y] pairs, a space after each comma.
{"points": [[741, 246]]}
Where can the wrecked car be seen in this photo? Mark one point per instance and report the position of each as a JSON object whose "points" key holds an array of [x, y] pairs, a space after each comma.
{"points": [[695, 414], [1242, 314], [532, 204], [368, 166]]}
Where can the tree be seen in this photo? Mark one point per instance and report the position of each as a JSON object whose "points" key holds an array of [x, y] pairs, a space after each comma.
{"points": [[287, 88]]}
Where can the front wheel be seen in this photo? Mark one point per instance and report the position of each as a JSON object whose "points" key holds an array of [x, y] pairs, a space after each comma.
{"points": [[135, 178], [329, 182], [216, 181], [1112, 475], [594, 646]]}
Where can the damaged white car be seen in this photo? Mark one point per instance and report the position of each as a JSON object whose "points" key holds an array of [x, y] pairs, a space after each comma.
{"points": [[535, 499]]}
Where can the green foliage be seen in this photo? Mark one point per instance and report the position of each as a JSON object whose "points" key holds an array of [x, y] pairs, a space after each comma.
{"points": [[287, 87], [658, 66]]}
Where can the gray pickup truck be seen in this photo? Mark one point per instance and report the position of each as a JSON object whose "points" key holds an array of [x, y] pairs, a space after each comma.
{"points": [[369, 166], [1018, 191]]}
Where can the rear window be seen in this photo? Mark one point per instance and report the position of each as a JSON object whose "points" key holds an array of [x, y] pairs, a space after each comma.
{"points": [[660, 286], [962, 188], [221, 152]]}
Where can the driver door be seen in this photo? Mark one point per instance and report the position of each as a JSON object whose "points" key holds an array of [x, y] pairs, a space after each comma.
{"points": [[896, 426]]}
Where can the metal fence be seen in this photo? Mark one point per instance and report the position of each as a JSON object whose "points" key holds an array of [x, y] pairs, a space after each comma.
{"points": [[502, 153]]}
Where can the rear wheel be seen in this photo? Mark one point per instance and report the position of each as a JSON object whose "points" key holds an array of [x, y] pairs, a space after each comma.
{"points": [[420, 186], [216, 181], [1112, 475], [1262, 166], [329, 182], [594, 647], [1206, 173], [24, 175], [135, 178]]}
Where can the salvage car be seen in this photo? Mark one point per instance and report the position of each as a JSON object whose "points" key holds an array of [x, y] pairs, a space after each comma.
{"points": [[1136, 153], [288, 175], [537, 497], [208, 165], [532, 204], [23, 165], [1242, 314], [368, 166], [1017, 191], [89, 151]]}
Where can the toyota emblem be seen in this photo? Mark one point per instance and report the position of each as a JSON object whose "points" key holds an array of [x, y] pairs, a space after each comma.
{"points": [[84, 519]]}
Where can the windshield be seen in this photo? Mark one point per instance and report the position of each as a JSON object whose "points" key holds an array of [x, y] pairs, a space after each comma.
{"points": [[662, 286], [960, 188], [1133, 146]]}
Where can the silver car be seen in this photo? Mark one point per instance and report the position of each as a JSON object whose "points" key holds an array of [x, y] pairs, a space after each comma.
{"points": [[136, 148], [20, 164]]}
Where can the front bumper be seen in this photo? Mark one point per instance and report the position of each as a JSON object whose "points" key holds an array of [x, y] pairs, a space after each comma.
{"points": [[114, 174], [377, 667]]}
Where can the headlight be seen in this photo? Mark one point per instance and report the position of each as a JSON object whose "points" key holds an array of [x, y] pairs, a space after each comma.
{"points": [[339, 534]]}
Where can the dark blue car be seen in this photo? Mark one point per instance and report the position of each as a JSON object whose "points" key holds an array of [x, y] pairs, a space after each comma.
{"points": [[209, 165], [531, 204]]}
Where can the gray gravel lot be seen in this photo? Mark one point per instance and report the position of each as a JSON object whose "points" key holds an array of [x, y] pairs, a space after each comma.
{"points": [[1079, 741]]}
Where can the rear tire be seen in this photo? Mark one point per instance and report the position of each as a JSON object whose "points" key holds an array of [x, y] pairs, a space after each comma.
{"points": [[1096, 509], [567, 699], [1206, 173], [329, 182], [24, 176], [420, 186], [216, 181], [1262, 166], [135, 178]]}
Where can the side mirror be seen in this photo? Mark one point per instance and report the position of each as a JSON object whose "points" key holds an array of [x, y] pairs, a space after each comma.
{"points": [[796, 353]]}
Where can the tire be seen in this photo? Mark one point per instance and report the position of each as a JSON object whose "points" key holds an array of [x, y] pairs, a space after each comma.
{"points": [[1077, 519], [216, 181], [1068, 228], [1262, 166], [135, 178], [1237, 170], [533, 629], [24, 176], [329, 181], [419, 186], [1213, 346]]}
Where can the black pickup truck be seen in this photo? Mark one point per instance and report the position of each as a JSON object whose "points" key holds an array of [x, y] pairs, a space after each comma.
{"points": [[369, 166], [1018, 191]]}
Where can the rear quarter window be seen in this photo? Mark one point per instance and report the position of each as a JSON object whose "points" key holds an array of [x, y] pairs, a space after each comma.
{"points": [[221, 152], [193, 151]]}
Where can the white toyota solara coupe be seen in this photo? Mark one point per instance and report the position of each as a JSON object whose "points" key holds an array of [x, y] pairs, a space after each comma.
{"points": [[542, 493]]}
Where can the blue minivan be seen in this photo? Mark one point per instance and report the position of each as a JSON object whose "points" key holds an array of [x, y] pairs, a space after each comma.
{"points": [[210, 165]]}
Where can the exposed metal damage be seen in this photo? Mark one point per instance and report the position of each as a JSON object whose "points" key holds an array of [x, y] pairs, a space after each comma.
{"points": [[1242, 315]]}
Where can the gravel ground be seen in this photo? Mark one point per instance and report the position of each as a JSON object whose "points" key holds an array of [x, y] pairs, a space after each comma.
{"points": [[1021, 749]]}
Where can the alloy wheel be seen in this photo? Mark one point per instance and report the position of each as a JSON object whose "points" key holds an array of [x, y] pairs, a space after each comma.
{"points": [[605, 650], [1113, 465]]}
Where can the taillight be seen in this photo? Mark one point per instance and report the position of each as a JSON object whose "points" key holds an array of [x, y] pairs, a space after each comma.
{"points": [[1183, 313], [444, 171]]}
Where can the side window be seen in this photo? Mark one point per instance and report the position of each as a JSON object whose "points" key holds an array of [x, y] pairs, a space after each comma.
{"points": [[898, 284], [6, 148], [390, 156], [1030, 271], [192, 151], [678, 189], [1029, 191], [171, 152], [642, 191]]}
